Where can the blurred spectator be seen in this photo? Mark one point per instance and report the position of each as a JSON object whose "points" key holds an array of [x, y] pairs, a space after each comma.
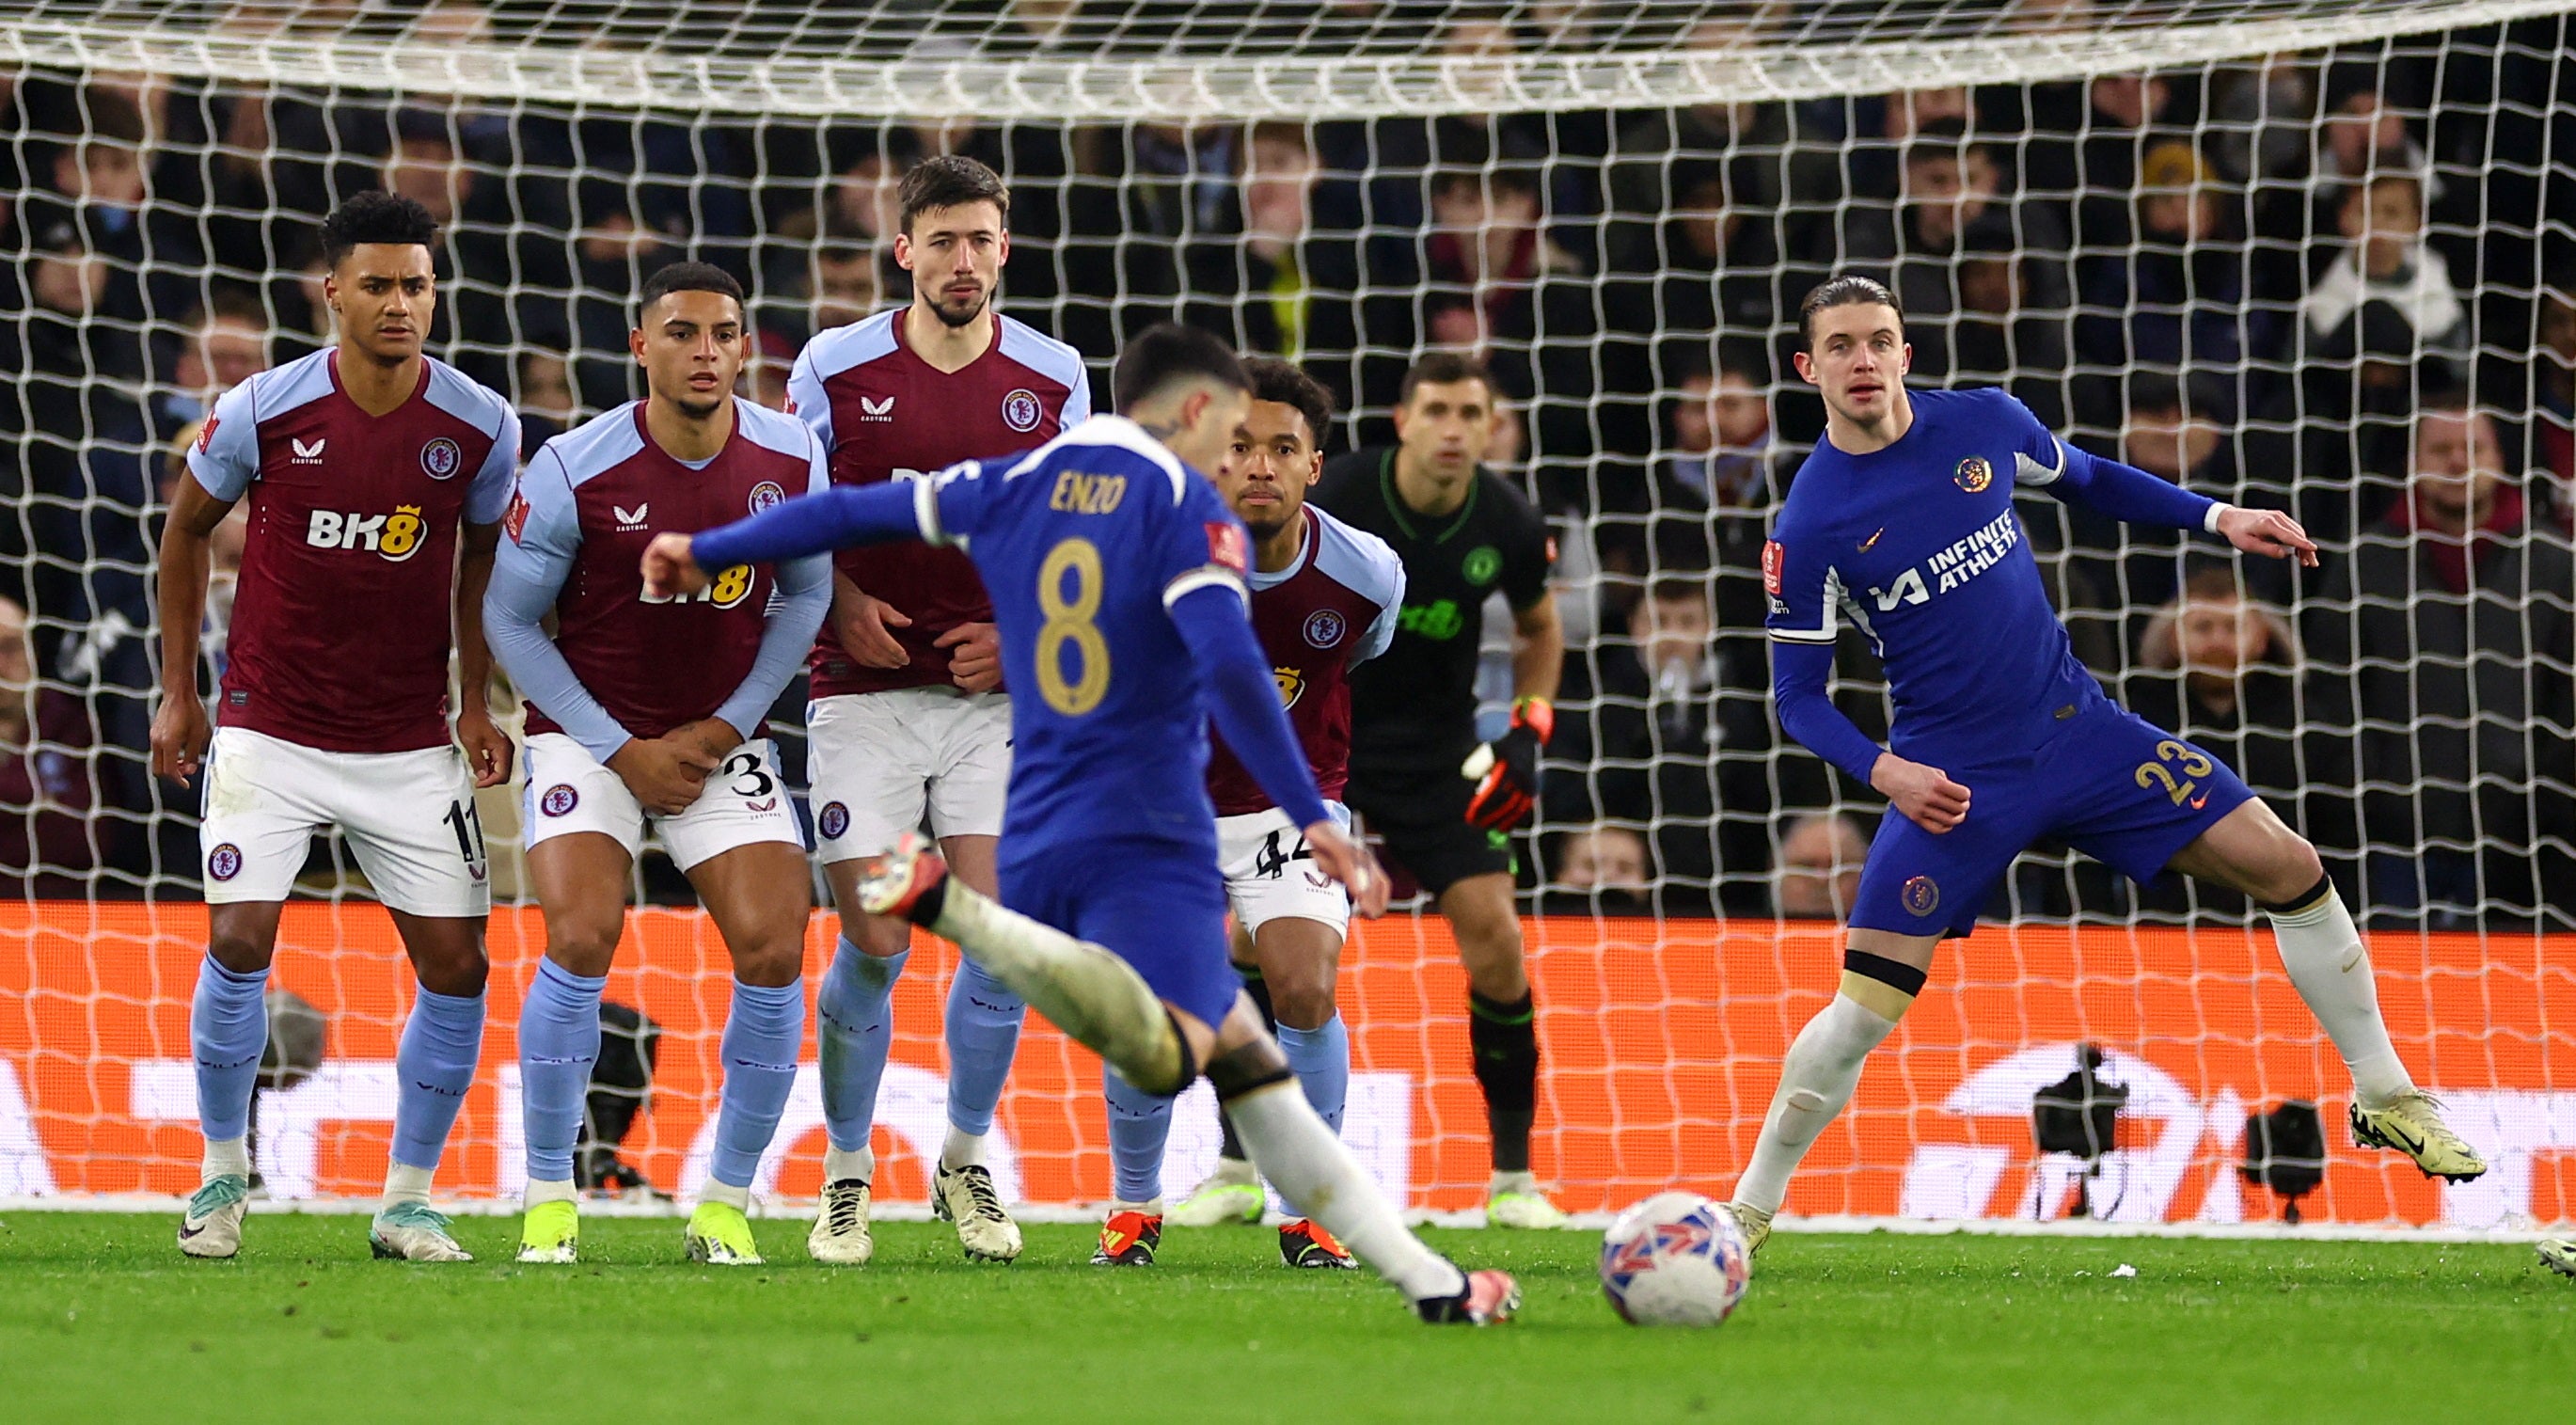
{"points": [[477, 271], [2170, 429], [2218, 669], [100, 192], [1644, 735], [227, 345], [1709, 267], [1704, 501], [1282, 286], [1604, 869], [51, 838], [546, 404], [2554, 387], [1820, 859], [1501, 287], [2173, 301], [829, 283], [2446, 639], [616, 253], [2386, 301]]}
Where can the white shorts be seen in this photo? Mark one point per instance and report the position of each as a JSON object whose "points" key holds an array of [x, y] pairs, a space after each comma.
{"points": [[409, 816], [742, 804], [881, 760], [1269, 874]]}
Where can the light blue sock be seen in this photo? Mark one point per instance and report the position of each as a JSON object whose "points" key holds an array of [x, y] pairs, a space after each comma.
{"points": [[441, 1044], [558, 1044], [761, 1037], [853, 1030], [227, 1032], [1140, 1124], [983, 1036], [1322, 1061]]}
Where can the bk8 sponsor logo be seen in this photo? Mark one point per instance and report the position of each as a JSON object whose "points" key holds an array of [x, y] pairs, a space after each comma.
{"points": [[725, 590], [397, 536]]}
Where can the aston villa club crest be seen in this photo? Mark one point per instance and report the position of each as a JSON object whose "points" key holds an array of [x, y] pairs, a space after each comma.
{"points": [[766, 494], [1021, 411], [224, 862], [1974, 475], [559, 800], [1324, 628], [834, 820], [441, 458]]}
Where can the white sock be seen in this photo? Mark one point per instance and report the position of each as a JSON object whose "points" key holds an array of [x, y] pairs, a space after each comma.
{"points": [[963, 1149], [726, 1193], [1816, 1079], [539, 1190], [405, 1183], [2322, 950], [226, 1157], [1512, 1182], [1321, 1179], [841, 1167]]}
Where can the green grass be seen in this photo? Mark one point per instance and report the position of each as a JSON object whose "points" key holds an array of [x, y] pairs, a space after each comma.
{"points": [[101, 1320]]}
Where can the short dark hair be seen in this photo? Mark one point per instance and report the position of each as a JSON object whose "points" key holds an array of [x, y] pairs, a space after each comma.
{"points": [[1849, 289], [376, 216], [685, 277], [1285, 383], [949, 180], [1441, 368], [1166, 353]]}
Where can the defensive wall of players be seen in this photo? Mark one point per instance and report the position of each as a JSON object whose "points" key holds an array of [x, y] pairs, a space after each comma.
{"points": [[1663, 1041]]}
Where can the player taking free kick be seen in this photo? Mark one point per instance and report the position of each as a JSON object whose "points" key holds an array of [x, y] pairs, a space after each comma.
{"points": [[1902, 520], [1117, 579], [648, 706], [362, 463], [1325, 597]]}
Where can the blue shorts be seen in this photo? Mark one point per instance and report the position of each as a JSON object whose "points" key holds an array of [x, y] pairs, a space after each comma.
{"points": [[2113, 785], [1157, 906]]}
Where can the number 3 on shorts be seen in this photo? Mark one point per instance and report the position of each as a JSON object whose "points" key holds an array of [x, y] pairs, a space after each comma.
{"points": [[2194, 766]]}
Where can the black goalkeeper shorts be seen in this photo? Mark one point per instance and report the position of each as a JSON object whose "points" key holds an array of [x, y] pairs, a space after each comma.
{"points": [[1421, 816]]}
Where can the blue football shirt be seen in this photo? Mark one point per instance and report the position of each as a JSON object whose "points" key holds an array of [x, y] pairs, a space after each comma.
{"points": [[1084, 543], [1917, 545]]}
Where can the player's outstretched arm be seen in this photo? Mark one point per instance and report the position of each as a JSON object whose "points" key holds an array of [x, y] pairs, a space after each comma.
{"points": [[837, 518], [179, 728]]}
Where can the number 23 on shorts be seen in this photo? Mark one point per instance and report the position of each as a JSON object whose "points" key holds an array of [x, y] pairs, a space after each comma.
{"points": [[2156, 773]]}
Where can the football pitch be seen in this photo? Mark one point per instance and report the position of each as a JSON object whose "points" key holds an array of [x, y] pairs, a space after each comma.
{"points": [[101, 1320]]}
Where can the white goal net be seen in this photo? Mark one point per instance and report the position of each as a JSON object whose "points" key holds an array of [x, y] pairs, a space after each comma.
{"points": [[2312, 254]]}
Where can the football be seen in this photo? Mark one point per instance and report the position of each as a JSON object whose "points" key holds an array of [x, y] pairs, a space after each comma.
{"points": [[1675, 1259]]}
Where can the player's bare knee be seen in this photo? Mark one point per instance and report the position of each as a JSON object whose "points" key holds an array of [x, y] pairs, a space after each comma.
{"points": [[2291, 868], [243, 951], [460, 971], [1305, 1002], [769, 960], [583, 949], [881, 936]]}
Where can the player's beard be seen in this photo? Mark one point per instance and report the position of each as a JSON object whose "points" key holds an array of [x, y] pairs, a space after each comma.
{"points": [[1264, 531], [699, 410], [960, 316]]}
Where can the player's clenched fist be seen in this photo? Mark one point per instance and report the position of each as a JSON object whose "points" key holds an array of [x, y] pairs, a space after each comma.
{"points": [[670, 570], [179, 737], [665, 774], [1350, 863], [1926, 795]]}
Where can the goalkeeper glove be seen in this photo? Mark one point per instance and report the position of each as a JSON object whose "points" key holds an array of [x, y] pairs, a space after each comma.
{"points": [[1505, 770]]}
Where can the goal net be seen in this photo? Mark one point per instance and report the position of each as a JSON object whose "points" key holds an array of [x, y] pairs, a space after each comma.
{"points": [[2307, 254]]}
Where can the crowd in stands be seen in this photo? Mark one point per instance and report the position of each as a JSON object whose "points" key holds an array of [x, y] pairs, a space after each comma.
{"points": [[2339, 284]]}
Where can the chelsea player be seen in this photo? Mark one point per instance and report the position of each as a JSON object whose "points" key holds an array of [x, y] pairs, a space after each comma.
{"points": [[1902, 521], [1118, 580]]}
